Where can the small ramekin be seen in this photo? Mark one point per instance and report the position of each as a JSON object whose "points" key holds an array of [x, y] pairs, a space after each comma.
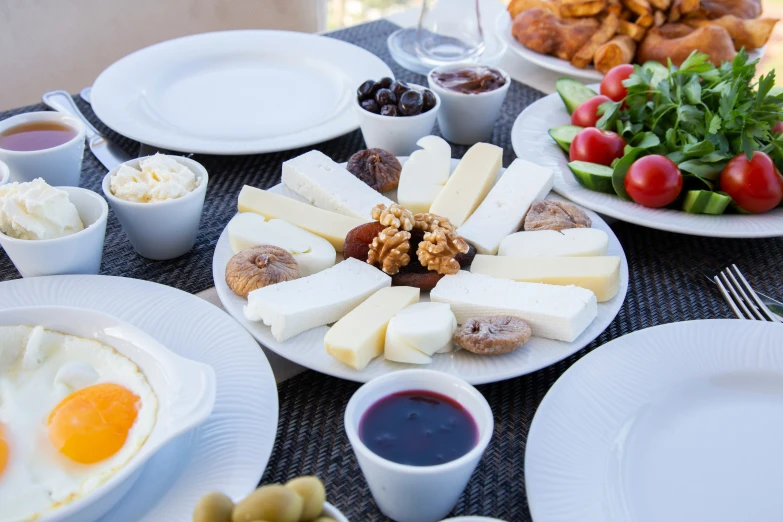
{"points": [[161, 230], [417, 493], [79, 253], [58, 166], [466, 119], [396, 134]]}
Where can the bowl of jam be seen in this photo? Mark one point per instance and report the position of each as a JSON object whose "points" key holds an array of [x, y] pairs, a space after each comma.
{"points": [[418, 436]]}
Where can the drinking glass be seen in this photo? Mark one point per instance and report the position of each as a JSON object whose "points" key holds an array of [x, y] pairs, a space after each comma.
{"points": [[449, 31]]}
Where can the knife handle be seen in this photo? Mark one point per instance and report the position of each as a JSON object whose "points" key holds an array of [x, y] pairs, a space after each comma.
{"points": [[61, 101]]}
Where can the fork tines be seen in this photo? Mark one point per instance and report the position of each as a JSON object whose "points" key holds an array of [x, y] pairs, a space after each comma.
{"points": [[740, 296]]}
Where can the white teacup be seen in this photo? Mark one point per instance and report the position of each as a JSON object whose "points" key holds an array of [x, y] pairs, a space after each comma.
{"points": [[79, 253], [408, 493], [59, 166]]}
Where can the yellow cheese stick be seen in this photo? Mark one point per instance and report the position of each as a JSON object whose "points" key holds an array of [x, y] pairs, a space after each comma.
{"points": [[599, 274]]}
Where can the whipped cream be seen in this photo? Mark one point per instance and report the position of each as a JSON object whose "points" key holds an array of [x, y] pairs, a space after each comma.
{"points": [[36, 210], [161, 178]]}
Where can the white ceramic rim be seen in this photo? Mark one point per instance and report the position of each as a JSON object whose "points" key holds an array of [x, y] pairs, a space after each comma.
{"points": [[174, 366], [331, 511], [484, 422], [98, 222], [381, 117], [199, 170], [102, 101], [449, 67], [5, 173], [27, 117], [531, 141]]}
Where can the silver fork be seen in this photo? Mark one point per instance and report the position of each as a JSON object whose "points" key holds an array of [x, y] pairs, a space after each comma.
{"points": [[742, 299]]}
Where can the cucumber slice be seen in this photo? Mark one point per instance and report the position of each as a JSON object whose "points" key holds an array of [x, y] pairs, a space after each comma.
{"points": [[573, 93], [564, 135], [658, 70], [705, 202], [593, 176]]}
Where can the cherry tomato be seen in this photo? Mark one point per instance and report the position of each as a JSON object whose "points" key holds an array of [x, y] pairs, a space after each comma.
{"points": [[778, 128], [586, 115], [653, 181], [755, 185], [612, 84], [597, 146]]}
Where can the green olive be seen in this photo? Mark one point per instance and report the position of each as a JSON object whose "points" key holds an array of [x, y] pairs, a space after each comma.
{"points": [[273, 503], [312, 491], [213, 507], [324, 519]]}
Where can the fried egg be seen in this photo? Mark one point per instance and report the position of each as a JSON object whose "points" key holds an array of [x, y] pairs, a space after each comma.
{"points": [[73, 411]]}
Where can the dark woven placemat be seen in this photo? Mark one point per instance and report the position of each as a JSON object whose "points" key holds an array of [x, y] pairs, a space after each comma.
{"points": [[227, 174]]}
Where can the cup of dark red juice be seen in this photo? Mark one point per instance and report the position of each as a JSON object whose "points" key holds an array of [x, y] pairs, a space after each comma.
{"points": [[418, 436]]}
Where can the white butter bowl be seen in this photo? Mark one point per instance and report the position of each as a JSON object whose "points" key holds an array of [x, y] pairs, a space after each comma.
{"points": [[5, 173], [407, 493], [161, 230], [396, 134], [185, 391], [78, 253]]}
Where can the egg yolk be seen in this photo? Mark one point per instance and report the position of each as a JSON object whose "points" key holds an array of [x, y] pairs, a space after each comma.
{"points": [[3, 450], [92, 424]]}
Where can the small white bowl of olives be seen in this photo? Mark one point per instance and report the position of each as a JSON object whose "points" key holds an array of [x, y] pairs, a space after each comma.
{"points": [[302, 499]]}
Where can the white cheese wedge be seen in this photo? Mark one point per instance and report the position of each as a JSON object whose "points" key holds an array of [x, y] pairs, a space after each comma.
{"points": [[292, 307], [329, 225], [312, 253], [399, 350], [600, 275], [551, 243], [470, 183], [428, 327], [503, 210], [554, 312], [328, 186], [358, 338], [424, 174]]}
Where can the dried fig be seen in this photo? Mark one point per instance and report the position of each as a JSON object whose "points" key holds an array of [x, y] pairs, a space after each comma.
{"points": [[425, 280], [260, 266], [555, 215], [493, 335], [377, 168], [465, 259], [358, 241]]}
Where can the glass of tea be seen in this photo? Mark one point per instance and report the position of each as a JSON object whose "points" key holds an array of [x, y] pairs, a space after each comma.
{"points": [[48, 145]]}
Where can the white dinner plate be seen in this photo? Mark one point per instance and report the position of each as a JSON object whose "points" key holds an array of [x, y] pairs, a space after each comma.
{"points": [[308, 350], [230, 450], [531, 141], [676, 423], [236, 92]]}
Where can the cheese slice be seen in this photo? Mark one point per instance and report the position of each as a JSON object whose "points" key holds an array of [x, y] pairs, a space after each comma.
{"points": [[329, 225], [600, 275], [399, 350], [503, 210], [551, 243], [312, 253], [470, 183], [328, 186], [428, 327], [554, 312], [292, 307], [358, 338], [424, 174]]}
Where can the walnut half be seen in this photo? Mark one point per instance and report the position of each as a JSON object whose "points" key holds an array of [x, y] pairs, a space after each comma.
{"points": [[389, 250], [440, 244], [260, 266]]}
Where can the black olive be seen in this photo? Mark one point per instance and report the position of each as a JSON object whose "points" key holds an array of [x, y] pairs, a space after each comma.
{"points": [[366, 90], [371, 106], [389, 110], [411, 103], [429, 100], [385, 82], [385, 97], [398, 87]]}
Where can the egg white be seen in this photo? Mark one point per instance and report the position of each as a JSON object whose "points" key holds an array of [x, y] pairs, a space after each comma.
{"points": [[38, 369]]}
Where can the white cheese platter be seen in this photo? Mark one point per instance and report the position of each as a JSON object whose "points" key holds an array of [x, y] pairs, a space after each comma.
{"points": [[355, 317]]}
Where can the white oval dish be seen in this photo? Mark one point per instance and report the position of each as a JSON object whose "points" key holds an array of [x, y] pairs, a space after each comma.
{"points": [[531, 141], [185, 391], [236, 92], [231, 448], [679, 422], [308, 350]]}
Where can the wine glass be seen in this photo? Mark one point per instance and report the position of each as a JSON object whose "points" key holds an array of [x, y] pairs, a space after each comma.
{"points": [[449, 31]]}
